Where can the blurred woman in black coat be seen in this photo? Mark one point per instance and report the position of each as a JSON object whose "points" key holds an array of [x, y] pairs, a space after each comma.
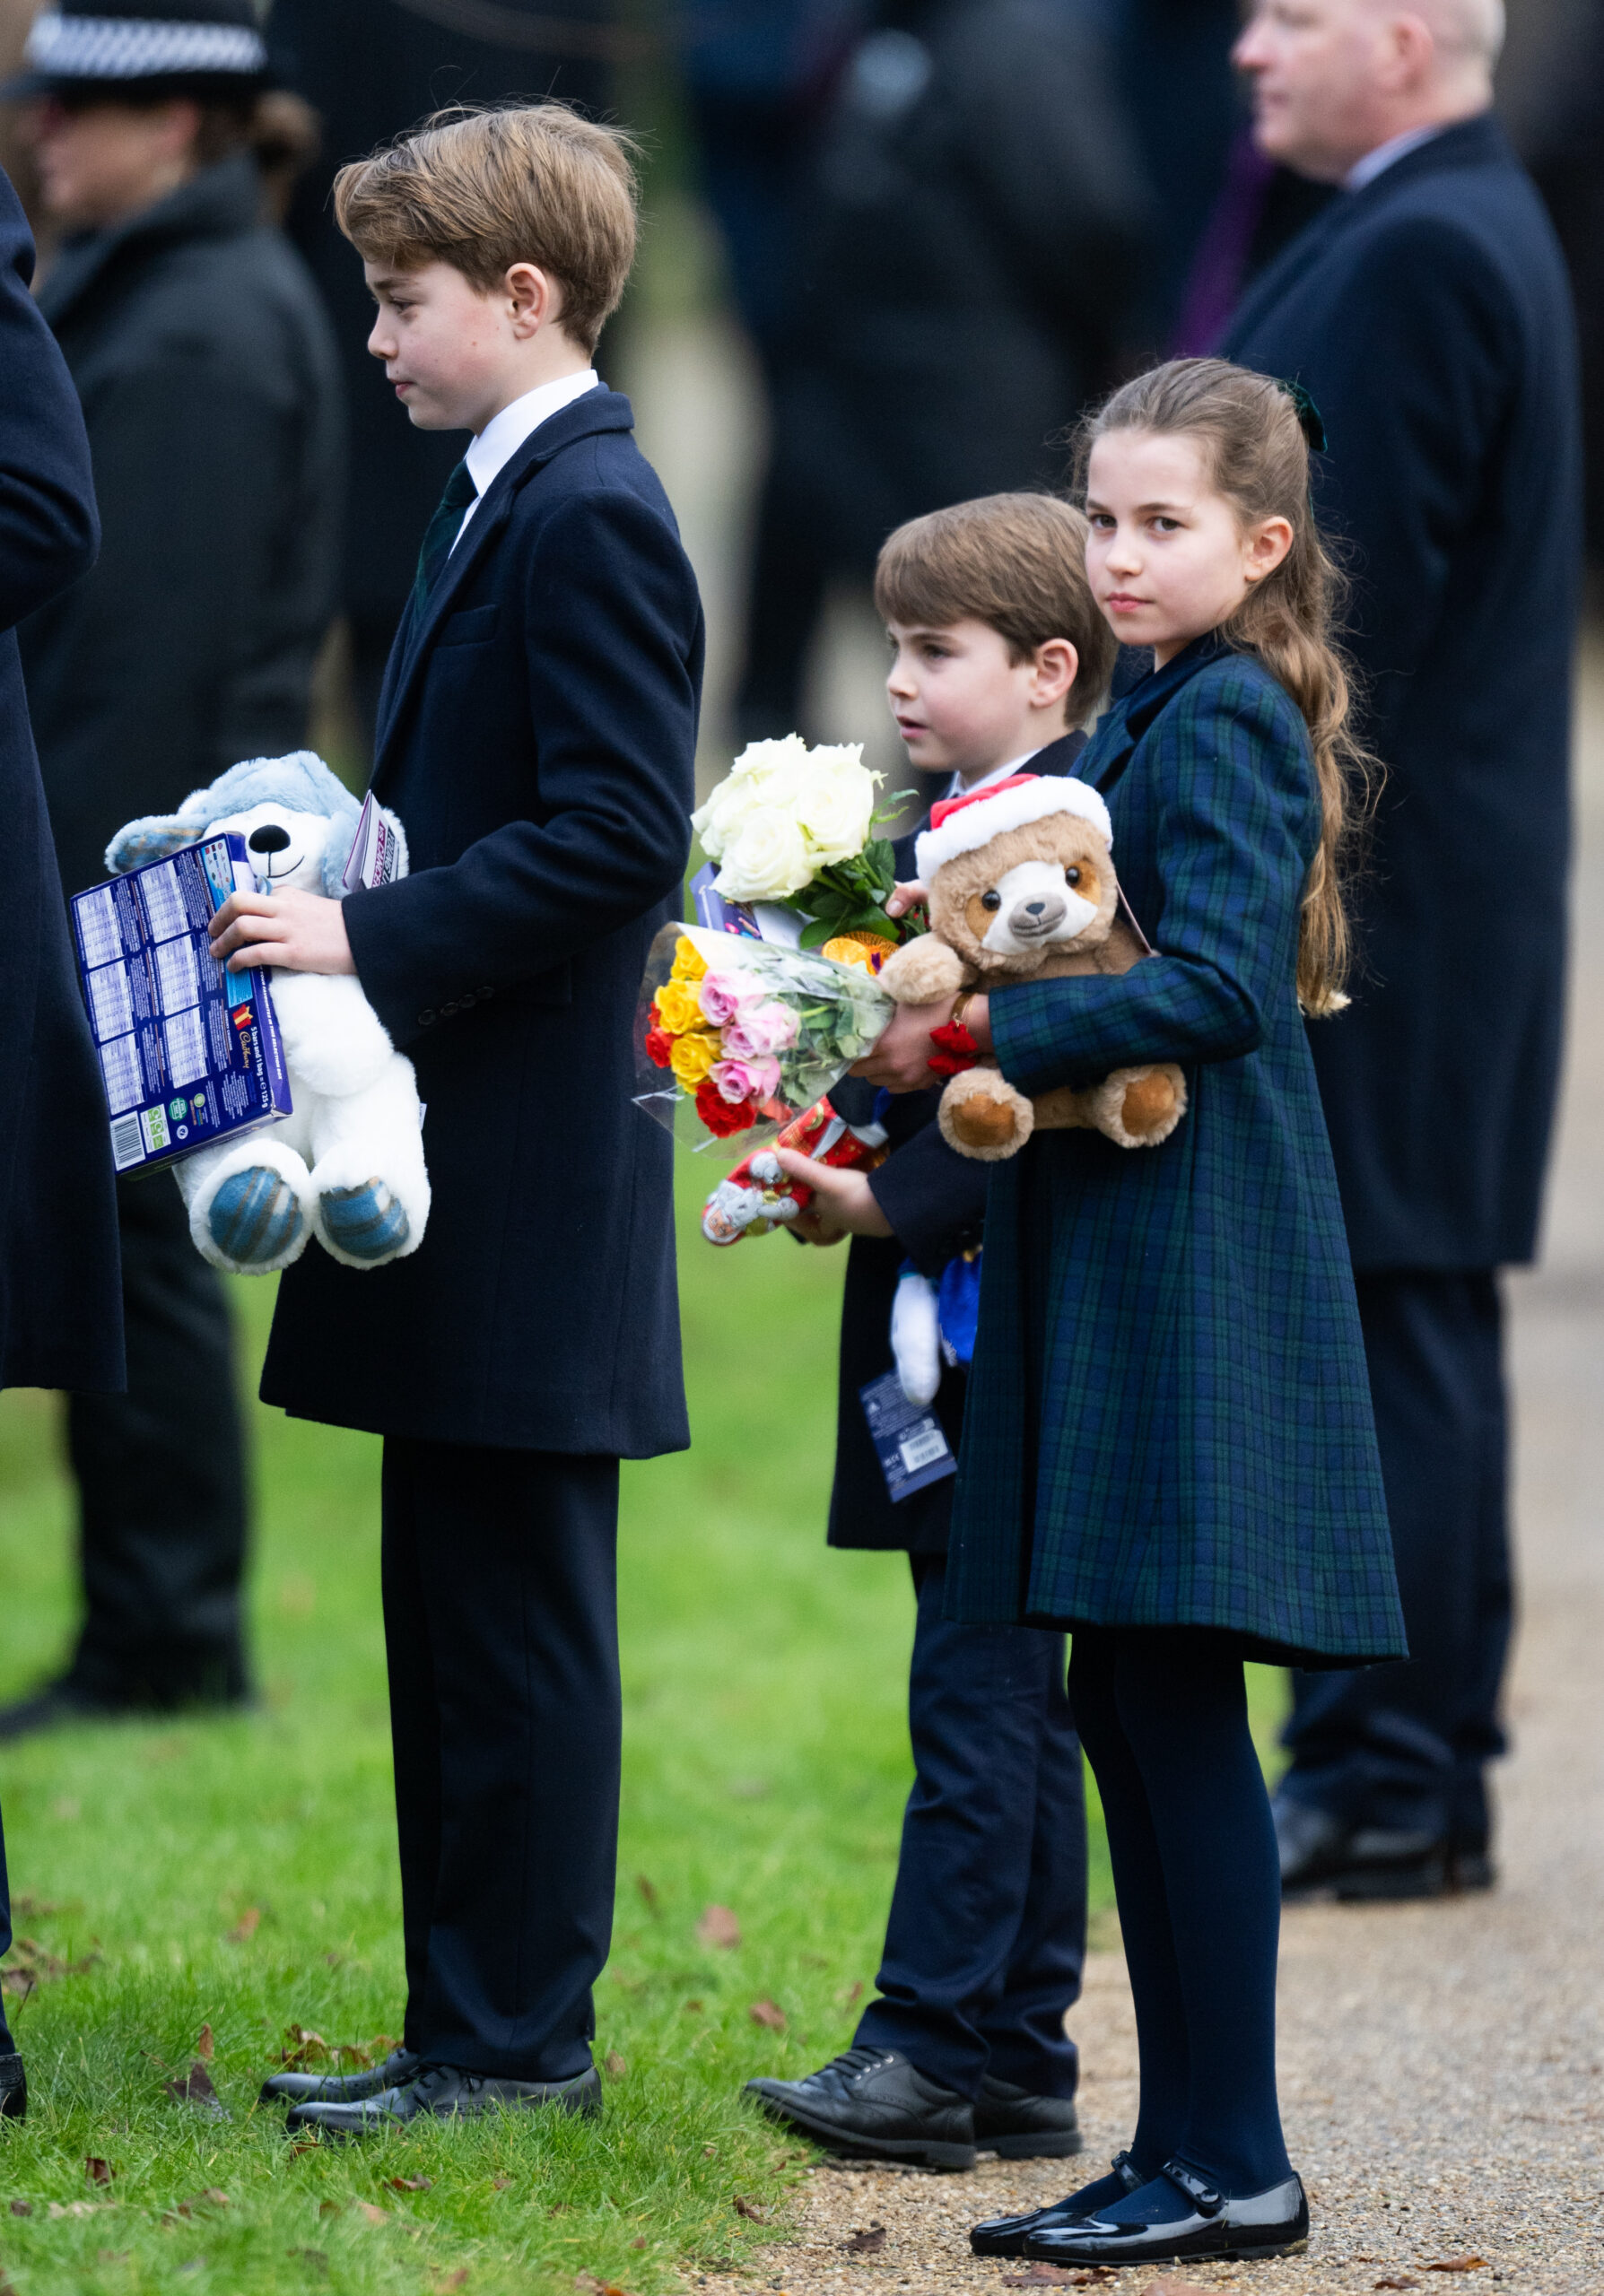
{"points": [[60, 1308]]}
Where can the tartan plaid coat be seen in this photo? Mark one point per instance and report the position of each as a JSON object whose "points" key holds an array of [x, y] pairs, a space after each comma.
{"points": [[1169, 1419]]}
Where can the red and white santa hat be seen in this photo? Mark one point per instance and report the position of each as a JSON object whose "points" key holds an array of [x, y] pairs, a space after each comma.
{"points": [[963, 824]]}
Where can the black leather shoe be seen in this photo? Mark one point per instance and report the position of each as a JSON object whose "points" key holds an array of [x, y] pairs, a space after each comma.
{"points": [[1018, 2126], [1005, 2236], [400, 2067], [445, 2093], [871, 2104], [1206, 2225], [1321, 1855], [13, 2088]]}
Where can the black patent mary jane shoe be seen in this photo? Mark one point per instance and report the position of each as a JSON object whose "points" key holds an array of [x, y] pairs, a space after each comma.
{"points": [[1206, 2226], [1005, 2236]]}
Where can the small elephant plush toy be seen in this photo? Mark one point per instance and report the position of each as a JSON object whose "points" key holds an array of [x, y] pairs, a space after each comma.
{"points": [[347, 1166], [1022, 887]]}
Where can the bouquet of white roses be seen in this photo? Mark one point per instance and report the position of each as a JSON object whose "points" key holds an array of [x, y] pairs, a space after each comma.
{"points": [[796, 826], [737, 1035]]}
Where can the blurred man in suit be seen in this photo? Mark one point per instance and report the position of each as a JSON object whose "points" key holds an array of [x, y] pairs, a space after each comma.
{"points": [[1427, 311]]}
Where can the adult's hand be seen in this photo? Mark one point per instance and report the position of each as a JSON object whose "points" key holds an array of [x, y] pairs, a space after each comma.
{"points": [[901, 1060], [901, 898], [301, 932], [844, 1202]]}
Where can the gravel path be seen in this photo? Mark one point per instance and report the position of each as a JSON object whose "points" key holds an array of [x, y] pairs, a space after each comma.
{"points": [[1442, 2065]]}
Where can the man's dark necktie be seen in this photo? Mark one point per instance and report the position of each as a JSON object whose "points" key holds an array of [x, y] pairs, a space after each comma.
{"points": [[460, 491]]}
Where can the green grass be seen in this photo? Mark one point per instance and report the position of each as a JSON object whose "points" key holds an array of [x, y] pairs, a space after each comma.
{"points": [[764, 1769]]}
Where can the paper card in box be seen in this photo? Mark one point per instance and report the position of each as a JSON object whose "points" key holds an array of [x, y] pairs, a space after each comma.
{"points": [[189, 1051]]}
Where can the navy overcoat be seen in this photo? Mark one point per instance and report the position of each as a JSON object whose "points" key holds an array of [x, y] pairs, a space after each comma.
{"points": [[538, 730], [1169, 1418], [1430, 316], [61, 1313]]}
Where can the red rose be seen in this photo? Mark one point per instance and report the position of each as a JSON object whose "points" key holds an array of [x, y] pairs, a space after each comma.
{"points": [[720, 1118], [660, 1044]]}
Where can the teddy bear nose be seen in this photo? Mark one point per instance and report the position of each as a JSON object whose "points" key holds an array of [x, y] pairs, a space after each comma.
{"points": [[268, 838], [1035, 906]]}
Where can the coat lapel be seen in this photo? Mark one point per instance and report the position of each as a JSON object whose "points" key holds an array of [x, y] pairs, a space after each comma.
{"points": [[598, 410]]}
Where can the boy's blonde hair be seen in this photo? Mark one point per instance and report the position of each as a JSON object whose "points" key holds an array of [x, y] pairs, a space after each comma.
{"points": [[485, 190], [1014, 562]]}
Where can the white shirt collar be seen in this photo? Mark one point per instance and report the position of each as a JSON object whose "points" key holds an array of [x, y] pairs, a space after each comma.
{"points": [[505, 433], [1374, 163], [959, 787]]}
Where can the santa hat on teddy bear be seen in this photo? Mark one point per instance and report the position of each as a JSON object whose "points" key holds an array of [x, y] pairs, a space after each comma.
{"points": [[963, 824]]}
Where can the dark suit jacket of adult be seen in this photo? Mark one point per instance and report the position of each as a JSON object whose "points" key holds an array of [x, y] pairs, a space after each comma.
{"points": [[1430, 316], [207, 377], [936, 1201], [61, 1316], [537, 736]]}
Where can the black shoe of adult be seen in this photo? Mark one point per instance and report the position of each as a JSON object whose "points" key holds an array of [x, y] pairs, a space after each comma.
{"points": [[1204, 2226], [400, 2066], [1017, 2125], [871, 2104], [55, 1707], [445, 2093], [1321, 1855], [13, 2088], [1005, 2236]]}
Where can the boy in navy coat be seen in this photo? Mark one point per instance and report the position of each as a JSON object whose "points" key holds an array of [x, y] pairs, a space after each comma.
{"points": [[999, 645], [536, 733]]}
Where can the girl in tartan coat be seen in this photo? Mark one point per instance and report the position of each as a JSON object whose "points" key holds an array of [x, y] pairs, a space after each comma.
{"points": [[1168, 1447]]}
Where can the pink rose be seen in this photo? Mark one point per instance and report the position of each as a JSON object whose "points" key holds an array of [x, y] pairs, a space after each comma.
{"points": [[746, 1080], [723, 995], [759, 1029]]}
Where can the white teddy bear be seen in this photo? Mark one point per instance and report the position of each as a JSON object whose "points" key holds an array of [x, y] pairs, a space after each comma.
{"points": [[347, 1166]]}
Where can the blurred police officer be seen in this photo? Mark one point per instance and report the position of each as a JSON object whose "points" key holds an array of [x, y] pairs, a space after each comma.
{"points": [[207, 378]]}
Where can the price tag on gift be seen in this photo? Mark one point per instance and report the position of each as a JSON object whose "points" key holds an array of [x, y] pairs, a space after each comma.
{"points": [[909, 1439]]}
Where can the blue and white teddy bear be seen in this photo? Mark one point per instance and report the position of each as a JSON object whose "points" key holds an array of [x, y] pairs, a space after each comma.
{"points": [[347, 1166]]}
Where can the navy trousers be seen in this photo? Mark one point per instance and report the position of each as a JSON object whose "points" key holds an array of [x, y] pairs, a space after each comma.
{"points": [[500, 1630], [6, 2040], [1406, 1747], [988, 1927]]}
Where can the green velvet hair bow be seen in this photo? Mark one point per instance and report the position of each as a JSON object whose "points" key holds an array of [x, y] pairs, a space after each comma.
{"points": [[1310, 421]]}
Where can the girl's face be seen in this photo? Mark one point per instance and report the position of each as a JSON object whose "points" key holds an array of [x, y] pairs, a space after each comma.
{"points": [[1168, 557]]}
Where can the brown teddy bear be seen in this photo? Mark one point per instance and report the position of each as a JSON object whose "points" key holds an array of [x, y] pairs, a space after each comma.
{"points": [[1022, 887]]}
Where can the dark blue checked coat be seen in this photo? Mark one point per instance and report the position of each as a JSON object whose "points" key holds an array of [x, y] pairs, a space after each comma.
{"points": [[1169, 1421]]}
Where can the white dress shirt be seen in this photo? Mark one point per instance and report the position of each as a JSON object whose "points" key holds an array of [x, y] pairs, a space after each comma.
{"points": [[959, 787], [1377, 162], [505, 433]]}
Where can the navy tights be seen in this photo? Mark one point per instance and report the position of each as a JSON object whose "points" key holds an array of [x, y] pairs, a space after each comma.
{"points": [[1163, 1717]]}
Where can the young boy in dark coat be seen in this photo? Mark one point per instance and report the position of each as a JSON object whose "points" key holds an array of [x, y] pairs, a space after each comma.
{"points": [[536, 732], [999, 648]]}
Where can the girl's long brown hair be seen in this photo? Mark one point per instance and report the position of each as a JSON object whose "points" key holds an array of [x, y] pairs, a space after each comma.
{"points": [[1257, 457]]}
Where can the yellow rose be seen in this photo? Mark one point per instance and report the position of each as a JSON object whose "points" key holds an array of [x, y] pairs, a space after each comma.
{"points": [[689, 963], [694, 1055], [678, 1007]]}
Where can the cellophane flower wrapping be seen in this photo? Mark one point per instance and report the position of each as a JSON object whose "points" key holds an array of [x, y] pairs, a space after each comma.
{"points": [[735, 1037]]}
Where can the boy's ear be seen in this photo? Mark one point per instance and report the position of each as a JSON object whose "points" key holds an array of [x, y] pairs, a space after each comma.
{"points": [[535, 296], [1058, 666]]}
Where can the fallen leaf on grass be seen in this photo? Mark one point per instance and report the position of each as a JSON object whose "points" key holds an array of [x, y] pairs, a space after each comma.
{"points": [[616, 2066], [410, 2183], [205, 2046], [850, 1997], [33, 1964], [22, 2208], [295, 2150], [330, 2208], [718, 1927], [750, 2210], [690, 2009], [769, 2014], [60, 2208], [457, 2279], [1459, 2263], [594, 2287], [649, 1896], [374, 2214], [868, 2243], [213, 2196], [196, 2087], [245, 1928], [97, 2171], [639, 2241], [501, 2184]]}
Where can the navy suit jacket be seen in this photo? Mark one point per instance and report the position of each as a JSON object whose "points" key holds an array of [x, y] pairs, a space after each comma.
{"points": [[1430, 316], [61, 1316], [538, 731]]}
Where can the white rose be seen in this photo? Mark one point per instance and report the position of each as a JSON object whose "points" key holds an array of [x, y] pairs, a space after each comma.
{"points": [[763, 776], [836, 804], [768, 860], [770, 761]]}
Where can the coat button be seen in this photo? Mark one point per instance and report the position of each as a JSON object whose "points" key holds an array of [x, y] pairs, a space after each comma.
{"points": [[426, 1019], [447, 1012], [487, 992]]}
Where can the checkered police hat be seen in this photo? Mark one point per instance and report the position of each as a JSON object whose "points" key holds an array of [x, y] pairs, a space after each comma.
{"points": [[84, 47]]}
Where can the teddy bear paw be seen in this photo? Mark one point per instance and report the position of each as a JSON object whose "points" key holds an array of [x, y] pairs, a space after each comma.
{"points": [[981, 1115], [367, 1222], [255, 1217]]}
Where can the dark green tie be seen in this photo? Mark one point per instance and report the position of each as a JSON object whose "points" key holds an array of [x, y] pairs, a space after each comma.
{"points": [[460, 491]]}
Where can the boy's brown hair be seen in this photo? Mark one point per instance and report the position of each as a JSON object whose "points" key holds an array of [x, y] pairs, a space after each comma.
{"points": [[1014, 562], [485, 190]]}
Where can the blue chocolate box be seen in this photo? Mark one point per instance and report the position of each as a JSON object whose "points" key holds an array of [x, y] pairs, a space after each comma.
{"points": [[189, 1050]]}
